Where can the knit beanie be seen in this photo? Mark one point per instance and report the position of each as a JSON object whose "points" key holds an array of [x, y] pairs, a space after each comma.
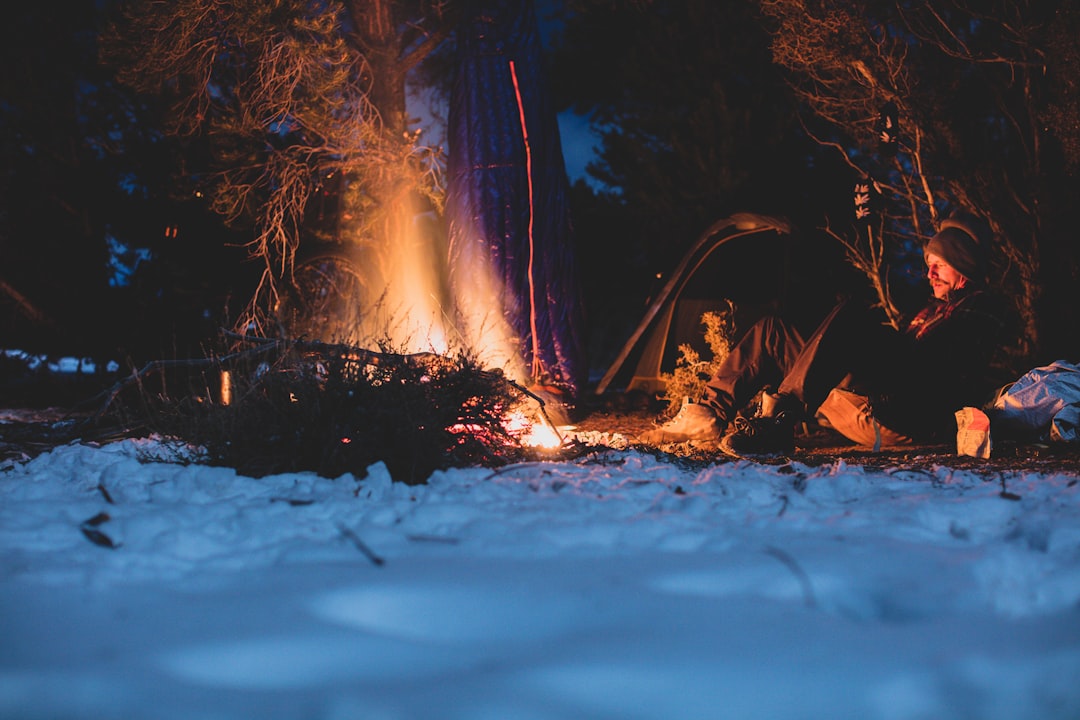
{"points": [[959, 245]]}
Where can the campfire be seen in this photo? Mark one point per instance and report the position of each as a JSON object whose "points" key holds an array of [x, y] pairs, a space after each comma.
{"points": [[525, 417], [273, 406], [299, 385], [398, 297], [534, 429]]}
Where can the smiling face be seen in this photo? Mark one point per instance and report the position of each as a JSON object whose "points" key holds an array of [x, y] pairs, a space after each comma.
{"points": [[944, 278]]}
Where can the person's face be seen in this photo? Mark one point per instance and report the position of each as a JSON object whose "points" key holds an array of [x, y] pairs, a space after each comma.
{"points": [[943, 277]]}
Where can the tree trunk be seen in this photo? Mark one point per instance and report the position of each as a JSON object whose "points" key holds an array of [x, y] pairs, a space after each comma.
{"points": [[377, 34]]}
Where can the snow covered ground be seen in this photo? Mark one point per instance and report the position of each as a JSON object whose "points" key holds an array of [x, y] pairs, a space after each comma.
{"points": [[614, 586]]}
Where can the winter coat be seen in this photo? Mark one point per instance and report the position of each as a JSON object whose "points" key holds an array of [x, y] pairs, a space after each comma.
{"points": [[942, 362]]}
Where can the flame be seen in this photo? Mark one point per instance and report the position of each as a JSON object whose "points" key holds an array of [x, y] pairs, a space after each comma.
{"points": [[478, 297], [410, 302], [405, 295], [533, 430], [543, 435]]}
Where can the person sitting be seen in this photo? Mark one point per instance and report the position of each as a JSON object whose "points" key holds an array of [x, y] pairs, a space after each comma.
{"points": [[876, 385]]}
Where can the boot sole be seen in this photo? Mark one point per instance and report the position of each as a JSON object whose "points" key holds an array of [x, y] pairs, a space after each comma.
{"points": [[746, 455]]}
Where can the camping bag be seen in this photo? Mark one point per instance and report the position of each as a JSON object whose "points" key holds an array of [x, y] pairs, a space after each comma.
{"points": [[1044, 404]]}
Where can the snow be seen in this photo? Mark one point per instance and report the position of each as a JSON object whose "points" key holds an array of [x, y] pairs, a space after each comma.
{"points": [[617, 585], [62, 365]]}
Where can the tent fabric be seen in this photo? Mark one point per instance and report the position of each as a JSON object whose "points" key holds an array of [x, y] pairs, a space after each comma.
{"points": [[507, 197], [655, 336]]}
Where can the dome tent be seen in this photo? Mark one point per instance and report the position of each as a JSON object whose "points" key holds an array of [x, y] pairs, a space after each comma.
{"points": [[691, 289]]}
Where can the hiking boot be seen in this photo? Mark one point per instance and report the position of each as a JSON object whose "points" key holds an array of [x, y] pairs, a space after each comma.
{"points": [[760, 436], [770, 432], [693, 423]]}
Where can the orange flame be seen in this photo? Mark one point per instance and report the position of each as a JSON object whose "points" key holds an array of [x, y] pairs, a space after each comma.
{"points": [[535, 431]]}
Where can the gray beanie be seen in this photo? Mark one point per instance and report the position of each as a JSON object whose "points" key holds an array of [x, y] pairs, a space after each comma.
{"points": [[958, 244]]}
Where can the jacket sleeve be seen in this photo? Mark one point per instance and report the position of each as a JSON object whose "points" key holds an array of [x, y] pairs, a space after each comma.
{"points": [[955, 346]]}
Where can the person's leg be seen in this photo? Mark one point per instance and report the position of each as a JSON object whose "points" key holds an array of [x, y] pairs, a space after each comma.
{"points": [[848, 341], [845, 341], [850, 415], [761, 358]]}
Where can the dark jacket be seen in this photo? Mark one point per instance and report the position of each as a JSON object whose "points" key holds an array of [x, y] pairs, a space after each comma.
{"points": [[942, 362]]}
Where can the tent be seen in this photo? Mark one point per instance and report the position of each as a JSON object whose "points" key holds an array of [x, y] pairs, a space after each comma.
{"points": [[673, 316]]}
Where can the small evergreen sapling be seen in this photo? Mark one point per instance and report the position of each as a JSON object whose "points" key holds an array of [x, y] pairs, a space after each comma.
{"points": [[687, 381]]}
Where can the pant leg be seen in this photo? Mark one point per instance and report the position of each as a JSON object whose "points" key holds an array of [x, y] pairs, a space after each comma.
{"points": [[849, 341], [762, 357], [850, 415]]}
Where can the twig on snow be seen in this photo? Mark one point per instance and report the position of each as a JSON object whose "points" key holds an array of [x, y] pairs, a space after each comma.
{"points": [[797, 571], [361, 546]]}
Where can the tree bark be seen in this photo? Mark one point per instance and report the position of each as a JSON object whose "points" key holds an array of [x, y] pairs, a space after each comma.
{"points": [[377, 34]]}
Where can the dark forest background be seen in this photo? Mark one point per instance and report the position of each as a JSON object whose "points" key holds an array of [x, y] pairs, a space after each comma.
{"points": [[703, 108]]}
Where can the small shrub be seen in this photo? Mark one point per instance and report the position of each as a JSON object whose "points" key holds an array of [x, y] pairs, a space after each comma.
{"points": [[332, 409], [691, 373]]}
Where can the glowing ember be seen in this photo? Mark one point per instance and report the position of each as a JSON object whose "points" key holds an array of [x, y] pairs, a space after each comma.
{"points": [[532, 431], [529, 427]]}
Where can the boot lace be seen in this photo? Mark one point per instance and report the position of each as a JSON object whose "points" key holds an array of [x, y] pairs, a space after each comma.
{"points": [[751, 426], [743, 426]]}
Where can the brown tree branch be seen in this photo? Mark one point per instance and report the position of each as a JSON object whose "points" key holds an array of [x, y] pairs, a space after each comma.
{"points": [[28, 308]]}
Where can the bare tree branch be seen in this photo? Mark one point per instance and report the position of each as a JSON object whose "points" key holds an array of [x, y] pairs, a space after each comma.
{"points": [[290, 94], [28, 308]]}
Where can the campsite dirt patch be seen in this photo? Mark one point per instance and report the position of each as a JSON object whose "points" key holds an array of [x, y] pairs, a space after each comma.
{"points": [[629, 417], [620, 420]]}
